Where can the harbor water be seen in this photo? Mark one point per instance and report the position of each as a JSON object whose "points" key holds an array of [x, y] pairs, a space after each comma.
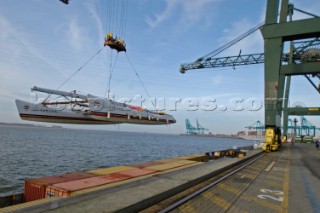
{"points": [[31, 152]]}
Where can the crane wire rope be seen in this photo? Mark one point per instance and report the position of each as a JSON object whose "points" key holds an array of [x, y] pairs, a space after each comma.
{"points": [[124, 15], [107, 93], [80, 68], [141, 82], [116, 19], [74, 73], [233, 42]]}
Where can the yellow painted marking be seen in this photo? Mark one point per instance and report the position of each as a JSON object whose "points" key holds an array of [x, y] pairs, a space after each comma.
{"points": [[187, 208], [248, 173], [269, 166], [217, 200], [274, 183], [229, 189], [261, 202], [275, 177], [285, 202]]}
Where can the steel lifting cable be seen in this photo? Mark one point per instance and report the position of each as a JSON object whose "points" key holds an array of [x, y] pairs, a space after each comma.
{"points": [[110, 76], [125, 18], [144, 87], [73, 74], [233, 42], [121, 19], [106, 24], [111, 15], [78, 70], [117, 18]]}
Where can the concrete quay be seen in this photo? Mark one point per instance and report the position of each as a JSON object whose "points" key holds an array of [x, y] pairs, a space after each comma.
{"points": [[282, 181]]}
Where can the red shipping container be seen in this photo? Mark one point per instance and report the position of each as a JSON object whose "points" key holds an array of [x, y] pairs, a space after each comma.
{"points": [[35, 189], [66, 188], [137, 172], [146, 164]]}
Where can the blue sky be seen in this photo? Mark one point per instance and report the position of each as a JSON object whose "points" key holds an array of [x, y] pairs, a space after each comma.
{"points": [[43, 42]]}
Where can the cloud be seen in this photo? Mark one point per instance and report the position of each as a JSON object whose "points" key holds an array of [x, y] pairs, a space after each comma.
{"points": [[217, 80], [17, 43], [96, 16], [192, 12], [6, 28], [159, 18], [76, 34]]}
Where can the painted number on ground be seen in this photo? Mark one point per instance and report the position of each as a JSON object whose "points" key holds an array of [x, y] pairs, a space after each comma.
{"points": [[271, 194]]}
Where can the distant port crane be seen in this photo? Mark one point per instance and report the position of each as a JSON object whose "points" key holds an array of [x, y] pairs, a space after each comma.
{"points": [[257, 126], [195, 130], [304, 128]]}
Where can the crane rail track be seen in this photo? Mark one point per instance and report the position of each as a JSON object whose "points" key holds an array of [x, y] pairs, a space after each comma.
{"points": [[229, 173]]}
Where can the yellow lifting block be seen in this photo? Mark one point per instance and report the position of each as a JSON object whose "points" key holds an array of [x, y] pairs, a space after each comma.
{"points": [[109, 35]]}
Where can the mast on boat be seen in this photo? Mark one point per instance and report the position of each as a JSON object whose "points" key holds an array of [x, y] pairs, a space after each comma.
{"points": [[72, 94]]}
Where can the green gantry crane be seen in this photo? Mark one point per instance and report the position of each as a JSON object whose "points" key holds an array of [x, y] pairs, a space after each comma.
{"points": [[303, 59]]}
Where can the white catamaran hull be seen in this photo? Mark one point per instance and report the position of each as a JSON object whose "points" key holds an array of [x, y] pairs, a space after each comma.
{"points": [[41, 113], [95, 111], [87, 109]]}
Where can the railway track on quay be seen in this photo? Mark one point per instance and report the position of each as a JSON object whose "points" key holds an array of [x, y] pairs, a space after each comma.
{"points": [[218, 192]]}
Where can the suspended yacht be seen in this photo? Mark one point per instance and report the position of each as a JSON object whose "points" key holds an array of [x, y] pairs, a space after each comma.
{"points": [[87, 109]]}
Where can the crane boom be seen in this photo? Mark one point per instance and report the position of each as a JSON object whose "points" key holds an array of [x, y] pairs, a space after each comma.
{"points": [[299, 54], [224, 62]]}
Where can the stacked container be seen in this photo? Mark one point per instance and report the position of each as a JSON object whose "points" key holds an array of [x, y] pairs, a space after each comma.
{"points": [[80, 182], [66, 189], [35, 189]]}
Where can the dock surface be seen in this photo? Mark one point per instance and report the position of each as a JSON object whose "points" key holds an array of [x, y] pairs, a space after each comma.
{"points": [[284, 181]]}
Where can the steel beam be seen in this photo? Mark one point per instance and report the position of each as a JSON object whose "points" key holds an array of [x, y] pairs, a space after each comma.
{"points": [[286, 103], [300, 69], [295, 30], [303, 111], [272, 66]]}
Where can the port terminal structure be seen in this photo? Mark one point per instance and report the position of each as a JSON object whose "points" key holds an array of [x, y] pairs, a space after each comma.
{"points": [[303, 59], [198, 129], [301, 127]]}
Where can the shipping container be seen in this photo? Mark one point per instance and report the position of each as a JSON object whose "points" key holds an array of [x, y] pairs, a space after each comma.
{"points": [[137, 172], [166, 166], [132, 179], [145, 164], [35, 189], [181, 167], [169, 160], [110, 170], [195, 157], [67, 188]]}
